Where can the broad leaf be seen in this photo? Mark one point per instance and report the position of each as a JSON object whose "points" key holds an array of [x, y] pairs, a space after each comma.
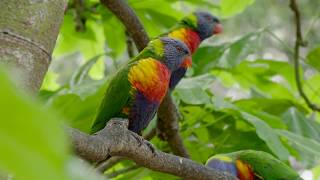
{"points": [[33, 145], [300, 125], [232, 7], [313, 58], [269, 135], [308, 145]]}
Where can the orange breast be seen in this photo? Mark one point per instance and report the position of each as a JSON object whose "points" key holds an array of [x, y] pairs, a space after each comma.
{"points": [[151, 78]]}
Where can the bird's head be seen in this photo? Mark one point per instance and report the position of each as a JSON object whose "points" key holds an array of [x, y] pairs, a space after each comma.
{"points": [[172, 52], [233, 166], [203, 23]]}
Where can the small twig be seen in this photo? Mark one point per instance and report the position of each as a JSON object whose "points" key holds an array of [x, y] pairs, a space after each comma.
{"points": [[122, 171], [130, 47], [116, 140], [300, 43], [80, 19]]}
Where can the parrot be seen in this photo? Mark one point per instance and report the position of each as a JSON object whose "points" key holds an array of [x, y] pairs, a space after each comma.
{"points": [[192, 30], [252, 165], [137, 89]]}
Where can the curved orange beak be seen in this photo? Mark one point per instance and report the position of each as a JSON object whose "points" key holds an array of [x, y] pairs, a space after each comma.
{"points": [[187, 62], [218, 28]]}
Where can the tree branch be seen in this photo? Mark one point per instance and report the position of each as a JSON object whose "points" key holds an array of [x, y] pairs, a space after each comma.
{"points": [[102, 167], [27, 38], [169, 125], [116, 140], [300, 43], [129, 20]]}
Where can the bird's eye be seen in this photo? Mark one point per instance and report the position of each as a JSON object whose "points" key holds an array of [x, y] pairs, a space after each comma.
{"points": [[216, 20], [179, 48], [208, 18]]}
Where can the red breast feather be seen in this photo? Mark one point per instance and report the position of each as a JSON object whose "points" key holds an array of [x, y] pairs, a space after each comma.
{"points": [[151, 78]]}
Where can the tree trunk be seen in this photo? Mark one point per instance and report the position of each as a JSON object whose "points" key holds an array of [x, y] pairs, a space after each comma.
{"points": [[28, 32]]}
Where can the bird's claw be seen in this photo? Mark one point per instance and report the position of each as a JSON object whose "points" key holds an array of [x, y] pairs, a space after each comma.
{"points": [[141, 141], [138, 138]]}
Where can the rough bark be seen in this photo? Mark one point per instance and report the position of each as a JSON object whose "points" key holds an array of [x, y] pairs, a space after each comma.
{"points": [[102, 167], [116, 140], [28, 32]]}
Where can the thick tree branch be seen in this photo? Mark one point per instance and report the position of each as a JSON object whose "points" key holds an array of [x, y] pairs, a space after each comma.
{"points": [[116, 140], [300, 43], [27, 38], [169, 125], [102, 167], [129, 20]]}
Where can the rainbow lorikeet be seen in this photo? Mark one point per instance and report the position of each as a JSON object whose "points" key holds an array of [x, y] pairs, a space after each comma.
{"points": [[192, 30], [137, 89], [253, 165]]}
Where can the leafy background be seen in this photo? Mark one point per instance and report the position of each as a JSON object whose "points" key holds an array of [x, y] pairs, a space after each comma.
{"points": [[240, 93]]}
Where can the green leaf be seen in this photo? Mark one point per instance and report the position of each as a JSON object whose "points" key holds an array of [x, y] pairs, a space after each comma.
{"points": [[313, 58], [300, 125], [89, 43], [82, 73], [205, 58], [193, 96], [272, 106], [233, 7], [269, 135], [227, 55], [79, 105], [308, 145], [192, 90], [33, 144]]}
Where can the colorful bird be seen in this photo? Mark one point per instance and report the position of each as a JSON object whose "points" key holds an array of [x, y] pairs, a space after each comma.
{"points": [[252, 165], [137, 89], [192, 30]]}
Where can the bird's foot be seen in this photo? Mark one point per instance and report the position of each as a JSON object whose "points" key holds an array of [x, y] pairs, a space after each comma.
{"points": [[151, 147], [138, 138], [142, 141]]}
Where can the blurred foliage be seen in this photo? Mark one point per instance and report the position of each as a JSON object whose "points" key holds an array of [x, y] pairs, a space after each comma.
{"points": [[240, 93], [33, 144]]}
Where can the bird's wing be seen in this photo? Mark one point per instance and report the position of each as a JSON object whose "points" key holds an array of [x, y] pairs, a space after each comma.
{"points": [[117, 96]]}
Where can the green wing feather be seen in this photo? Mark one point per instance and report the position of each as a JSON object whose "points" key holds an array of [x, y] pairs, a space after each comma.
{"points": [[116, 97], [266, 166]]}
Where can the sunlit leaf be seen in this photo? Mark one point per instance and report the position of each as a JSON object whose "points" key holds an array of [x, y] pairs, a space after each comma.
{"points": [[232, 7], [313, 58]]}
